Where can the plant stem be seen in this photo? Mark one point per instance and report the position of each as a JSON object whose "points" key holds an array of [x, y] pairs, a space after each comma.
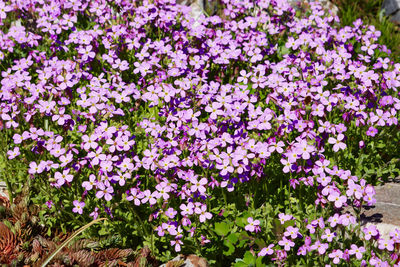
{"points": [[6, 170]]}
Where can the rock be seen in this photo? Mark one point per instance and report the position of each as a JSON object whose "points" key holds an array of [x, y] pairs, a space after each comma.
{"points": [[186, 261], [385, 214], [387, 207], [196, 5], [3, 189], [392, 9]]}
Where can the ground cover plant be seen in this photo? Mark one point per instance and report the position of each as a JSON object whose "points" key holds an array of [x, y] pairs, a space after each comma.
{"points": [[372, 13], [250, 138]]}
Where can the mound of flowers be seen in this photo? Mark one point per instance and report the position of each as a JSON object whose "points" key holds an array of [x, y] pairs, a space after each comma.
{"points": [[251, 137]]}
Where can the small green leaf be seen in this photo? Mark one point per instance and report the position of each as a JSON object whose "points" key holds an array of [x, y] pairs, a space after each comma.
{"points": [[233, 238], [103, 231], [231, 248], [240, 263], [249, 258], [222, 228]]}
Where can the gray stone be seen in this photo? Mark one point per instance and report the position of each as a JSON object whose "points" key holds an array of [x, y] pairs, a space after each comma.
{"points": [[391, 6], [3, 189], [196, 5], [387, 207], [395, 17]]}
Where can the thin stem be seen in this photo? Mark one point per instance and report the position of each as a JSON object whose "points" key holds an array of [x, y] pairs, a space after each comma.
{"points": [[6, 169]]}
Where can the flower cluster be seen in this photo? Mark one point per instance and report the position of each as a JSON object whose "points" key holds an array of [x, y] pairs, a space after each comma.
{"points": [[125, 105]]}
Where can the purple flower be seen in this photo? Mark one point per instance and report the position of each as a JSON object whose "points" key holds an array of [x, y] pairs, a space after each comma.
{"points": [[13, 153], [372, 131], [386, 244], [104, 191], [287, 244], [253, 225], [78, 206], [337, 144], [328, 235], [61, 178], [358, 251], [266, 251], [337, 198], [370, 231], [49, 204], [292, 232], [336, 255], [95, 213], [321, 247]]}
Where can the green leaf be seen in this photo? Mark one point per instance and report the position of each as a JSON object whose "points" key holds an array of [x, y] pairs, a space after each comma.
{"points": [[233, 238], [249, 258], [240, 263], [222, 228], [288, 223], [103, 231], [231, 248]]}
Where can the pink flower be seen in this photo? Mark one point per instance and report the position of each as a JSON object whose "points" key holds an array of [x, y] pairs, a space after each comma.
{"points": [[177, 243], [204, 215], [186, 209], [283, 217], [386, 244], [13, 153], [89, 142], [88, 185], [328, 235], [292, 232], [136, 196], [266, 251], [370, 231], [95, 213], [336, 255], [18, 138], [64, 177], [337, 198], [287, 165], [171, 213], [372, 131], [4, 9], [253, 224], [78, 206], [358, 251], [198, 185], [286, 243], [214, 110], [321, 247], [104, 191], [354, 189], [395, 235], [121, 65], [337, 144], [35, 168], [170, 228], [149, 197]]}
